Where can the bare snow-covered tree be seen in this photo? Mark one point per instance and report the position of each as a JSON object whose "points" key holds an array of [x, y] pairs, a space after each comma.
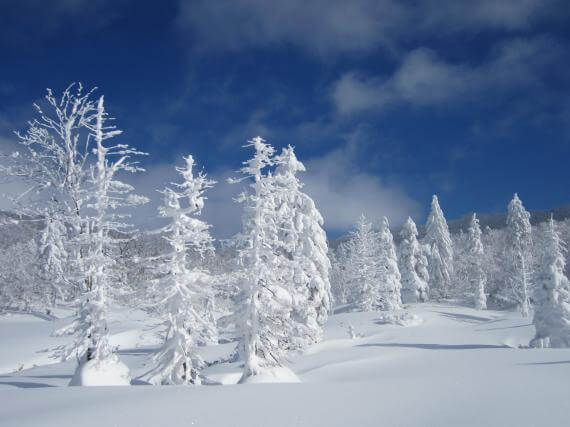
{"points": [[413, 265], [52, 162], [104, 196], [552, 294], [518, 252], [441, 253], [476, 275], [302, 255], [389, 273], [185, 292]]}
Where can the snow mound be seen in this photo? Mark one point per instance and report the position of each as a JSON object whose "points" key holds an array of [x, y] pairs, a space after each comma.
{"points": [[109, 371], [401, 318], [273, 375]]}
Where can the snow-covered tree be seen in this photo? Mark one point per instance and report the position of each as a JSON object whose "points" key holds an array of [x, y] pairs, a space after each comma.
{"points": [[441, 252], [389, 273], [552, 294], [518, 248], [104, 196], [263, 318], [184, 290], [20, 279], [302, 254], [339, 288], [495, 263], [362, 266], [413, 265], [53, 260], [53, 162], [476, 275]]}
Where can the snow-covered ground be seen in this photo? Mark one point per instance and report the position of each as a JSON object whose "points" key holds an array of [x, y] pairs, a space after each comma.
{"points": [[457, 366]]}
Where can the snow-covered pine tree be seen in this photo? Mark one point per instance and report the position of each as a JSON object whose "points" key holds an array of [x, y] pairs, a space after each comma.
{"points": [[461, 287], [518, 248], [362, 266], [185, 292], [441, 257], [389, 273], [476, 275], [303, 252], [98, 365], [552, 294], [53, 260], [413, 265], [339, 288], [495, 267], [263, 317]]}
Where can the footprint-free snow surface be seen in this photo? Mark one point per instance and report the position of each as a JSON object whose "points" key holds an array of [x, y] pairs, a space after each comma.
{"points": [[454, 367]]}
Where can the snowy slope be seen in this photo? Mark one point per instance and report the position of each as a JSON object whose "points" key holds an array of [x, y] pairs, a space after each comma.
{"points": [[457, 367]]}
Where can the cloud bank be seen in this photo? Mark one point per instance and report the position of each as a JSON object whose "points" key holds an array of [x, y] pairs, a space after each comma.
{"points": [[337, 26]]}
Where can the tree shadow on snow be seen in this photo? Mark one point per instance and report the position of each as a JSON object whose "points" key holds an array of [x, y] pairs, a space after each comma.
{"points": [[506, 327], [560, 362], [138, 381], [137, 351], [465, 317], [21, 384], [63, 377], [436, 346]]}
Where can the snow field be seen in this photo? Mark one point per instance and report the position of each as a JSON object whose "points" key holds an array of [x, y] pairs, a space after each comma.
{"points": [[458, 366]]}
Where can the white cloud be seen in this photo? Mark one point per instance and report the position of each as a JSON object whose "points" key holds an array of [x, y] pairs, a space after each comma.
{"points": [[333, 26], [342, 191], [424, 78]]}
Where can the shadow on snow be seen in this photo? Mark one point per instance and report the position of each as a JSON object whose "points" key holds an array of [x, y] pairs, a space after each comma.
{"points": [[436, 346], [23, 384], [465, 317]]}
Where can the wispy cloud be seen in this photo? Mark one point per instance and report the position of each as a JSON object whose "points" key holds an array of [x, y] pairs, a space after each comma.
{"points": [[337, 26], [423, 78]]}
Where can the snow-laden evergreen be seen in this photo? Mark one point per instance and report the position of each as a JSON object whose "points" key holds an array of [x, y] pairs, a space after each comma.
{"points": [[303, 260], [413, 265], [518, 254], [552, 294], [362, 266], [54, 260], [441, 252], [185, 291], [389, 273], [263, 314], [476, 275]]}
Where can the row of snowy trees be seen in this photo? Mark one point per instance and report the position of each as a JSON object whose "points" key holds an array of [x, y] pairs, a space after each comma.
{"points": [[506, 266], [277, 283]]}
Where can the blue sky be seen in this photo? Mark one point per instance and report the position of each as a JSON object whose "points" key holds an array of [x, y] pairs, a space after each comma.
{"points": [[386, 102]]}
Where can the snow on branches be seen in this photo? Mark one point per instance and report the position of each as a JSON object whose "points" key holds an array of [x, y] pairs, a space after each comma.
{"points": [[519, 260], [185, 292], [441, 252], [413, 265], [552, 294]]}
